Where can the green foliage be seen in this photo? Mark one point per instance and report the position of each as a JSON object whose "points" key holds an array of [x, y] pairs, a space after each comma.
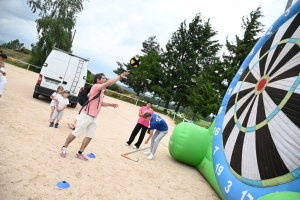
{"points": [[14, 44], [239, 50], [58, 18]]}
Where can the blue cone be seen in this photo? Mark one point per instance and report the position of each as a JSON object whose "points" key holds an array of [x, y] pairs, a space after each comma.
{"points": [[63, 185], [91, 155]]}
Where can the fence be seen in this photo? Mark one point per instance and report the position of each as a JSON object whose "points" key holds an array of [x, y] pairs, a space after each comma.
{"points": [[22, 62], [169, 111]]}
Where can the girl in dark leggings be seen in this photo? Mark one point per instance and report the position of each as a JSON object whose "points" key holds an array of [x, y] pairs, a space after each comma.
{"points": [[141, 124]]}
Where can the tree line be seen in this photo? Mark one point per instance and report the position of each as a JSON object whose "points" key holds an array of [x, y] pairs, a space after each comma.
{"points": [[187, 70]]}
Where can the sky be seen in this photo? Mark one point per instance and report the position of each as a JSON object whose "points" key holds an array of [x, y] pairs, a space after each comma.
{"points": [[111, 31]]}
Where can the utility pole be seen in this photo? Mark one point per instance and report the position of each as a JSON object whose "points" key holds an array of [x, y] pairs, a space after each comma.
{"points": [[73, 37], [288, 5]]}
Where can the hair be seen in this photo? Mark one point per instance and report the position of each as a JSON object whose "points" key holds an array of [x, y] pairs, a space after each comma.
{"points": [[98, 76], [66, 91], [4, 56], [147, 114], [59, 88], [149, 102]]}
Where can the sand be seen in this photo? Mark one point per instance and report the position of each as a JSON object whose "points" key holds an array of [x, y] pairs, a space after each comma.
{"points": [[30, 165]]}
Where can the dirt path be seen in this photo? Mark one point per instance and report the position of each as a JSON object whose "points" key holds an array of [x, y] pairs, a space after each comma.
{"points": [[30, 165]]}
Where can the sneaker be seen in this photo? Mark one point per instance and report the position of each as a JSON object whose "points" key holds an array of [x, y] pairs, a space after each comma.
{"points": [[63, 152], [147, 153], [135, 147], [51, 124], [56, 125], [81, 156], [127, 144], [150, 157]]}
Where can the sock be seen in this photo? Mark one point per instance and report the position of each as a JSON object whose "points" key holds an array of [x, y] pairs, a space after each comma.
{"points": [[80, 152], [64, 147]]}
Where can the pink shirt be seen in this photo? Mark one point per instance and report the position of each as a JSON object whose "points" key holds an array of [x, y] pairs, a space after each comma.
{"points": [[94, 107], [142, 120]]}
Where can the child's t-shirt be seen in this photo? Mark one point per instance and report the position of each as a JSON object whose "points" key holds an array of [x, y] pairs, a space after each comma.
{"points": [[53, 102], [62, 102], [158, 123], [142, 120]]}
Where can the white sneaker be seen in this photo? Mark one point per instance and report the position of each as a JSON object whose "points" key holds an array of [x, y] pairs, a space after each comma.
{"points": [[126, 144], [150, 157], [147, 153], [135, 147]]}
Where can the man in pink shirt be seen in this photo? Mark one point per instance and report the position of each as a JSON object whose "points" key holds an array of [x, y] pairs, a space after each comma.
{"points": [[141, 124], [88, 116]]}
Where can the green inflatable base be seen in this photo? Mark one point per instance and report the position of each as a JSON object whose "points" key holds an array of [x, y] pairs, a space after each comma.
{"points": [[281, 196], [192, 144]]}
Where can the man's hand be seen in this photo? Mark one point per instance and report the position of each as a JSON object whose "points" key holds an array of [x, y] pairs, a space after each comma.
{"points": [[146, 142], [124, 74], [114, 105]]}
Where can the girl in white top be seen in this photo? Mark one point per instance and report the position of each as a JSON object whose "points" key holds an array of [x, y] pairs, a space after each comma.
{"points": [[54, 99], [3, 80]]}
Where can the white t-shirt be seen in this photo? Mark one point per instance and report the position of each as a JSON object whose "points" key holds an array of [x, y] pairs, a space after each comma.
{"points": [[62, 101], [53, 102], [2, 78]]}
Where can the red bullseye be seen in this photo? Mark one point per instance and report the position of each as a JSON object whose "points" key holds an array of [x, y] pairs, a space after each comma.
{"points": [[261, 85]]}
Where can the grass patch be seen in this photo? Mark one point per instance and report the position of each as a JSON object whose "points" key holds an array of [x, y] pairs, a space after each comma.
{"points": [[18, 55]]}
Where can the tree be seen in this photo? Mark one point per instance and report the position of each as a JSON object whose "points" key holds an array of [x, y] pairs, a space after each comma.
{"points": [[151, 45], [239, 50], [146, 76], [14, 44], [58, 18], [189, 52]]}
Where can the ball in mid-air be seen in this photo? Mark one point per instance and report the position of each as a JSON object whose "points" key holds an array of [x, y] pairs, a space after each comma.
{"points": [[135, 62]]}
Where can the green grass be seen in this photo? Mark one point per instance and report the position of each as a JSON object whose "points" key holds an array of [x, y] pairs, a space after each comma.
{"points": [[17, 55]]}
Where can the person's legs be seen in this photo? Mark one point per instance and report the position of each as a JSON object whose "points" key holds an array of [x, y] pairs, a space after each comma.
{"points": [[82, 125], [52, 111], [155, 140], [134, 133], [84, 143], [70, 125], [2, 83], [90, 132], [142, 135]]}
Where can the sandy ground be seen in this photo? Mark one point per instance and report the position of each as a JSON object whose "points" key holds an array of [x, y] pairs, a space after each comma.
{"points": [[30, 165]]}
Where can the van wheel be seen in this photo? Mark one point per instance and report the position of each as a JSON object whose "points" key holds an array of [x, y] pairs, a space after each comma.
{"points": [[73, 105], [35, 95]]}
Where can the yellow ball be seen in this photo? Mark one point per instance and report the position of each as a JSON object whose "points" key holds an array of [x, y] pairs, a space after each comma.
{"points": [[135, 62]]}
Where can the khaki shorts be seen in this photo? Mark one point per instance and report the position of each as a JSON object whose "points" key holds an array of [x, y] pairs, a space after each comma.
{"points": [[85, 122]]}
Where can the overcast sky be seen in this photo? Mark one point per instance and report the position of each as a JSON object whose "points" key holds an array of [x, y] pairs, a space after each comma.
{"points": [[110, 31]]}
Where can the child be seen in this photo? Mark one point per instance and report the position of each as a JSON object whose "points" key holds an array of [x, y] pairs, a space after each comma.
{"points": [[61, 103], [74, 124], [54, 99], [3, 80]]}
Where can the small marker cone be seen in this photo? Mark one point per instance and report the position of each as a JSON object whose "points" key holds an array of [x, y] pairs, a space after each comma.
{"points": [[91, 155], [63, 185]]}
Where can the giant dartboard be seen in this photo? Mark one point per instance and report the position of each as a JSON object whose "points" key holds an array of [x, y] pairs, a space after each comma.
{"points": [[258, 125]]}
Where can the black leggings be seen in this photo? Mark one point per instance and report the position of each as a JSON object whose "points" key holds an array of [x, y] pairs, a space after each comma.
{"points": [[135, 131]]}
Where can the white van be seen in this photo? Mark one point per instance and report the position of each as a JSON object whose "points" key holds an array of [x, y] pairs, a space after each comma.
{"points": [[62, 68]]}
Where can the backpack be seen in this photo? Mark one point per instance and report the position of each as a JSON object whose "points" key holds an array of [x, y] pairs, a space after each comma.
{"points": [[83, 98], [83, 95]]}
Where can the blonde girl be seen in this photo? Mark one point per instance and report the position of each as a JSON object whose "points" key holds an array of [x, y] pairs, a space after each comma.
{"points": [[59, 90]]}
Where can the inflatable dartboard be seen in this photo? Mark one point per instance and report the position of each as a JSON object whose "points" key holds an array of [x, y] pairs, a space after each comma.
{"points": [[256, 147]]}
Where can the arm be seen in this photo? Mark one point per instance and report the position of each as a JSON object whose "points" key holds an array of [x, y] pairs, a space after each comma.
{"points": [[150, 136], [140, 114], [112, 81], [57, 106], [104, 104], [63, 108]]}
